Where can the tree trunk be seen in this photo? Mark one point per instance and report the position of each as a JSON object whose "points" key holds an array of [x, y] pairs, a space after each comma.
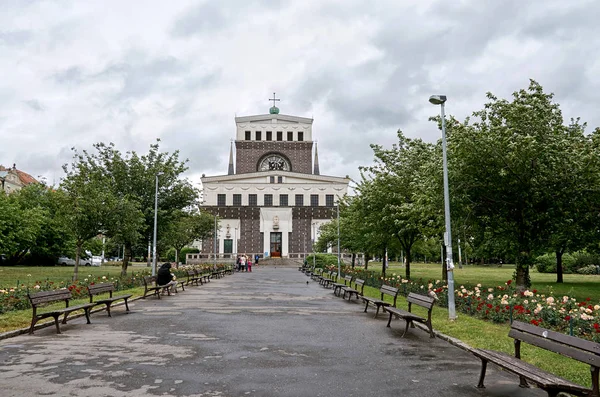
{"points": [[559, 266], [383, 263], [367, 259], [353, 259], [522, 270], [126, 256], [444, 267], [77, 259], [407, 260]]}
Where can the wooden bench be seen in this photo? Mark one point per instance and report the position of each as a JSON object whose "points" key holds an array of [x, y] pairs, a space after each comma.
{"points": [[384, 290], [329, 279], [337, 287], [151, 287], [103, 288], [354, 291], [585, 351], [413, 299], [317, 274], [204, 278], [46, 297], [192, 278]]}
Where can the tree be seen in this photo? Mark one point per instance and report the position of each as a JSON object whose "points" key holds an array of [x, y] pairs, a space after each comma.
{"points": [[506, 168], [188, 227]]}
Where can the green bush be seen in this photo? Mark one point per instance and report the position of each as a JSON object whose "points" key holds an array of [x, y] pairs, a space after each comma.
{"points": [[589, 269], [547, 263], [182, 254], [322, 260], [584, 259]]}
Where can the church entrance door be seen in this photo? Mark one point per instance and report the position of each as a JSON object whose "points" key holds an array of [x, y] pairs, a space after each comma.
{"points": [[276, 244]]}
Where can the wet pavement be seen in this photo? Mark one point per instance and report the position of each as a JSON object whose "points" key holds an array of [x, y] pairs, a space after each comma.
{"points": [[265, 333]]}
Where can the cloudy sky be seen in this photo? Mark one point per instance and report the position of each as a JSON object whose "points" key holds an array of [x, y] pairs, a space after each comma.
{"points": [[74, 73]]}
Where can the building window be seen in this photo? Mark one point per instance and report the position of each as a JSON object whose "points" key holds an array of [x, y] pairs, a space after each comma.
{"points": [[300, 136], [280, 135], [272, 179], [314, 200], [252, 200], [283, 200], [279, 179], [258, 135], [269, 135], [329, 200], [237, 200], [221, 201], [268, 200], [299, 200], [290, 136], [248, 135]]}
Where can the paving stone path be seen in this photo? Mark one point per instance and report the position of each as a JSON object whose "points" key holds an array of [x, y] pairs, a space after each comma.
{"points": [[265, 333]]}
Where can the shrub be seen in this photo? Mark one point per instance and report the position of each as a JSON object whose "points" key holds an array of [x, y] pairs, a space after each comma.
{"points": [[323, 260], [182, 254], [547, 263], [589, 269], [583, 259]]}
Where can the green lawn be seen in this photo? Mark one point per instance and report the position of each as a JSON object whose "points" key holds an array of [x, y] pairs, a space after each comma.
{"points": [[10, 276], [575, 285]]}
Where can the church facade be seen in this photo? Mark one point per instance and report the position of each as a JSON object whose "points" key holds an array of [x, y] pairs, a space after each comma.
{"points": [[273, 198]]}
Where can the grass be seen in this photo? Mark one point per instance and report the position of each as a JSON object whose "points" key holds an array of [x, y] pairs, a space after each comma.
{"points": [[575, 285]]}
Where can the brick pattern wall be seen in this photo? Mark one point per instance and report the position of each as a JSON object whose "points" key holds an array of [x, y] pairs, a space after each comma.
{"points": [[250, 240], [248, 153]]}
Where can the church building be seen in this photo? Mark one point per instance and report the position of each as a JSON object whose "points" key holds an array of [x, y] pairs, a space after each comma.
{"points": [[273, 199]]}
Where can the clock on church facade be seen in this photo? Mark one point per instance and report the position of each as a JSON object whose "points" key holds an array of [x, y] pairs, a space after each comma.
{"points": [[273, 199]]}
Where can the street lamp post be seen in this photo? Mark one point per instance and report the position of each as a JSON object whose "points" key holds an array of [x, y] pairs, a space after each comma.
{"points": [[441, 100], [314, 239], [215, 245], [338, 238], [155, 222]]}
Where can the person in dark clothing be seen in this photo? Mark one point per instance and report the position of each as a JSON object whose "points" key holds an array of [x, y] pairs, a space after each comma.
{"points": [[164, 276], [256, 259]]}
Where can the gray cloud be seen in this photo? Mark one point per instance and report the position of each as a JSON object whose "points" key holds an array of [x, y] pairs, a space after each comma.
{"points": [[15, 37], [35, 105]]}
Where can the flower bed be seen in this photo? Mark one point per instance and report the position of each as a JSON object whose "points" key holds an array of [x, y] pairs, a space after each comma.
{"points": [[502, 303]]}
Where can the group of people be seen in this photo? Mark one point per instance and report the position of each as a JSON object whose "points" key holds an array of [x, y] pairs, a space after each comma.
{"points": [[243, 263]]}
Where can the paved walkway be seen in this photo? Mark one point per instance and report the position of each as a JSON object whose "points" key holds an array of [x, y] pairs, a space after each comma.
{"points": [[265, 333]]}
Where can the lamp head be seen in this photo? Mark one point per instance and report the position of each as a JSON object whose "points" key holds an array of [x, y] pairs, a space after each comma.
{"points": [[437, 99]]}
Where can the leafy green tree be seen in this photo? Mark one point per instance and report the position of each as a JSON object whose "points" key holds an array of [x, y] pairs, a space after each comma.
{"points": [[187, 228], [506, 167]]}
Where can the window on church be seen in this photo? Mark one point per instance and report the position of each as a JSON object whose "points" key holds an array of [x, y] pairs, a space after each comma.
{"points": [[283, 200], [258, 135], [237, 200], [221, 201], [248, 135], [268, 200], [299, 200], [290, 136], [269, 135], [280, 135], [279, 179], [314, 200], [300, 136], [272, 179], [329, 200], [252, 200]]}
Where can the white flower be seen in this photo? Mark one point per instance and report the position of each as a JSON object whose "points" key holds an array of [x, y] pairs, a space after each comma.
{"points": [[490, 297], [550, 300], [490, 290], [478, 285], [36, 286], [103, 277]]}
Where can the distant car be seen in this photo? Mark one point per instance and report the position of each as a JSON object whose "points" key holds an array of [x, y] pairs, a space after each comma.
{"points": [[66, 261], [96, 261]]}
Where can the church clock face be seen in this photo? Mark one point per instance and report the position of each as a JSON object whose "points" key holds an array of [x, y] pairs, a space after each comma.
{"points": [[274, 162]]}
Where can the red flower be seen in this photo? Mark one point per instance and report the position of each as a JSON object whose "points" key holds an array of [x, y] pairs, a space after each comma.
{"points": [[588, 299], [568, 318], [534, 291], [509, 282], [535, 322], [596, 325], [489, 305]]}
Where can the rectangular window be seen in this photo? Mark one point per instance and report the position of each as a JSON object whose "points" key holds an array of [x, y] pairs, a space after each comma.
{"points": [[279, 179], [237, 200], [283, 200], [280, 135], [221, 200], [314, 200], [258, 135], [329, 200], [272, 179], [248, 135], [290, 136], [252, 200], [299, 200], [300, 136], [269, 135], [268, 200]]}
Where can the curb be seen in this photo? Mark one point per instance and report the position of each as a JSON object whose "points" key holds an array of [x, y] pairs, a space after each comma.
{"points": [[20, 331]]}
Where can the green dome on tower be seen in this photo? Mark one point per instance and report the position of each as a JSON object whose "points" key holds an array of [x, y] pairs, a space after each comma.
{"points": [[274, 110]]}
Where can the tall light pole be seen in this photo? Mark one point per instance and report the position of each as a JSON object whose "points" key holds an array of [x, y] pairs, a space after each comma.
{"points": [[155, 222], [215, 246], [314, 239], [441, 100], [338, 232], [235, 240]]}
